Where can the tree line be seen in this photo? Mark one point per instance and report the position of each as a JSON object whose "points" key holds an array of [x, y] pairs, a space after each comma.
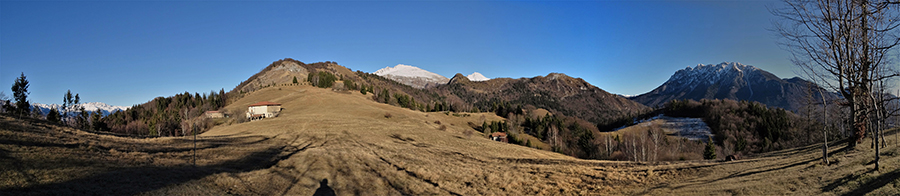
{"points": [[166, 116], [72, 113]]}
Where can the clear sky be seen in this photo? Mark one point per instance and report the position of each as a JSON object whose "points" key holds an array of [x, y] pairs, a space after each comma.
{"points": [[126, 53]]}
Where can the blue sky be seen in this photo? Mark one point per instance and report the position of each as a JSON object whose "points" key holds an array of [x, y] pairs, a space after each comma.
{"points": [[126, 53]]}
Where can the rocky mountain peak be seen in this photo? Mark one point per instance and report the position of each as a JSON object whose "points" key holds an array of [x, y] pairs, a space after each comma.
{"points": [[459, 78], [727, 80]]}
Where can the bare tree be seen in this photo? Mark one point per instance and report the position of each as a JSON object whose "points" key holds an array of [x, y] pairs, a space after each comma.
{"points": [[843, 44]]}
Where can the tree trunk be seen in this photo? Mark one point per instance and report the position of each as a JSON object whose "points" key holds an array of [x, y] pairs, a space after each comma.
{"points": [[824, 128]]}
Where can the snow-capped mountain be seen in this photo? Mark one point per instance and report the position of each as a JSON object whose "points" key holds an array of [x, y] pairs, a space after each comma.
{"points": [[91, 107], [728, 80], [412, 76], [475, 76]]}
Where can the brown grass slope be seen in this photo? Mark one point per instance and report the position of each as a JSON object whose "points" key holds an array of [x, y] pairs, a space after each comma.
{"points": [[321, 134], [360, 151], [346, 139], [798, 171]]}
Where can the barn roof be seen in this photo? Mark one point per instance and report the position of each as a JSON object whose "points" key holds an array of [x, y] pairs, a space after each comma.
{"points": [[266, 103], [498, 134]]}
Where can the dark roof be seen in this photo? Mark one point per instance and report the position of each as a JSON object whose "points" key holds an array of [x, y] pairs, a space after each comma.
{"points": [[262, 103]]}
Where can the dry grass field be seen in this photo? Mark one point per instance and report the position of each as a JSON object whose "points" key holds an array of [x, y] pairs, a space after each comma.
{"points": [[343, 142]]}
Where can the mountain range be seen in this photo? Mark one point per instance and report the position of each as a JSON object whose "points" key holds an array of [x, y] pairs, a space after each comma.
{"points": [[731, 80], [418, 77], [91, 107], [727, 80], [557, 93]]}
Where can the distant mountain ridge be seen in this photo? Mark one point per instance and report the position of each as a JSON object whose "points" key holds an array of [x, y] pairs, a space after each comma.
{"points": [[730, 80], [556, 92], [91, 107], [412, 76]]}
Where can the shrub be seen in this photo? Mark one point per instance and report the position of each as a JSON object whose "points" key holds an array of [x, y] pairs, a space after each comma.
{"points": [[468, 133], [443, 128], [388, 115]]}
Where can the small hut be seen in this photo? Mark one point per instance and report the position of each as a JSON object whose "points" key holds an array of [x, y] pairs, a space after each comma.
{"points": [[263, 109], [499, 136], [214, 114]]}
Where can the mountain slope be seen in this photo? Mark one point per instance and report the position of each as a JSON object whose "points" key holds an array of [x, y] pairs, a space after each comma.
{"points": [[556, 92], [279, 72], [731, 80], [412, 76]]}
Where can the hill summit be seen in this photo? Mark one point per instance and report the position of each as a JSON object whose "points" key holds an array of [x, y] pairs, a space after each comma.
{"points": [[475, 76]]}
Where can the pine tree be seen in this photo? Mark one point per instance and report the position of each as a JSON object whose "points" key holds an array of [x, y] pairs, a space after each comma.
{"points": [[710, 151], [53, 116], [20, 94], [295, 80], [68, 99], [83, 117], [96, 122]]}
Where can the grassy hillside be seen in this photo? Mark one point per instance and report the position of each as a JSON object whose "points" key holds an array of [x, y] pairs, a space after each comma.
{"points": [[347, 140], [797, 171]]}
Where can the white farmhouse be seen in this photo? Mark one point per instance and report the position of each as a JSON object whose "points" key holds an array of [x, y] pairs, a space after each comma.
{"points": [[263, 109]]}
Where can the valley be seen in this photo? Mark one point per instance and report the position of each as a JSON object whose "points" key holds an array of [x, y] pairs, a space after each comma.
{"points": [[688, 128]]}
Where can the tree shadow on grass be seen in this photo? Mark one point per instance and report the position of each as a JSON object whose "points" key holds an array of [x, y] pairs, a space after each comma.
{"points": [[135, 180], [876, 183]]}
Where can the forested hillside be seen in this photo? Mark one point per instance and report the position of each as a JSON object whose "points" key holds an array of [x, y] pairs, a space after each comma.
{"points": [[749, 127]]}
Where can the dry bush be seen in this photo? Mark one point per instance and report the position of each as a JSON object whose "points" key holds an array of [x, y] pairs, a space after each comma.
{"points": [[468, 133], [437, 122], [442, 128], [388, 115], [241, 119], [137, 127], [618, 155]]}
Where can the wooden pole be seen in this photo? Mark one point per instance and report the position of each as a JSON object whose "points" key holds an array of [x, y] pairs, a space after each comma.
{"points": [[194, 157]]}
